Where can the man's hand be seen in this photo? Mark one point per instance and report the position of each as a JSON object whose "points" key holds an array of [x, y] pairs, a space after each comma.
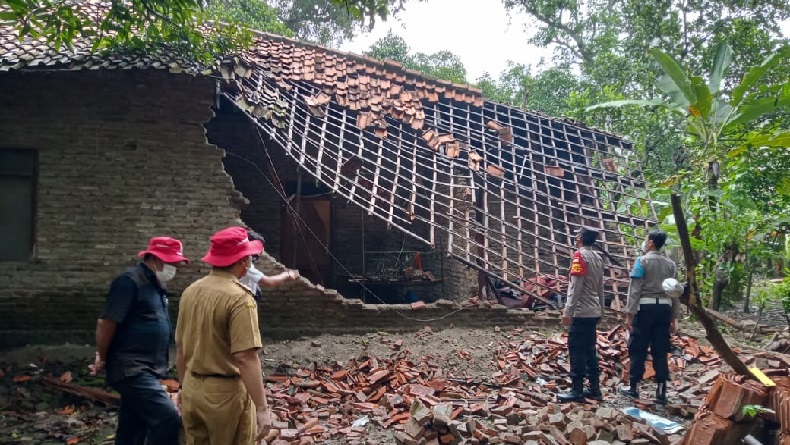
{"points": [[177, 401], [293, 274], [566, 320], [673, 327], [629, 322], [97, 367], [264, 417]]}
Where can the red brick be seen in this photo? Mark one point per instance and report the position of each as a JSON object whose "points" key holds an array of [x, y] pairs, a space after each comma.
{"points": [[734, 396]]}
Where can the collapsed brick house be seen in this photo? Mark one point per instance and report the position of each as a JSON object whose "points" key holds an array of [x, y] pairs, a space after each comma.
{"points": [[98, 153]]}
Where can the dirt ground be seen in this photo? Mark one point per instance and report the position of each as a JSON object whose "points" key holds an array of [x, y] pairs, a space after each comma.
{"points": [[47, 418]]}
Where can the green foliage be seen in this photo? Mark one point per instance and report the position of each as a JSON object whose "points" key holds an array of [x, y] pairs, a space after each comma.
{"points": [[252, 14], [442, 64], [755, 410], [331, 22], [608, 43], [781, 292], [547, 90], [150, 25], [737, 284], [729, 165]]}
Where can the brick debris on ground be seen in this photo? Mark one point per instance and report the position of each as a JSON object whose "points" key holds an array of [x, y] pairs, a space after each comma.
{"points": [[420, 400]]}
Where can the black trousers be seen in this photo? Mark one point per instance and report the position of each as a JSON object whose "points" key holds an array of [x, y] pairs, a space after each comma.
{"points": [[650, 329], [146, 413], [582, 338]]}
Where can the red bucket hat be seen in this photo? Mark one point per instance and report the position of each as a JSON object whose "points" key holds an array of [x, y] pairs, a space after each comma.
{"points": [[230, 245], [166, 249]]}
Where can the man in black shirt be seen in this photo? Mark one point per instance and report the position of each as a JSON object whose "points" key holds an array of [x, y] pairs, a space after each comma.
{"points": [[133, 342]]}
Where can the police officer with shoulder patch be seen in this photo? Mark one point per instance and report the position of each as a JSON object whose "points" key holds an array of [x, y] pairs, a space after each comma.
{"points": [[583, 310], [222, 398], [651, 315]]}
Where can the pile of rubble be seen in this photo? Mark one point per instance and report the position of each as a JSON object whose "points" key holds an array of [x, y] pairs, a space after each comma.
{"points": [[425, 401], [723, 419], [554, 425]]}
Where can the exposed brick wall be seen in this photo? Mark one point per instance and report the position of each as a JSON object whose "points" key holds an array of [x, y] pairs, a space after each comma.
{"points": [[122, 157], [353, 229], [301, 308]]}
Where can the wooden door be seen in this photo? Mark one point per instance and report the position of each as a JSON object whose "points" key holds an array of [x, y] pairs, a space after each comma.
{"points": [[308, 250]]}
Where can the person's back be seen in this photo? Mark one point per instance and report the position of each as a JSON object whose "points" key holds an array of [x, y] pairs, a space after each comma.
{"points": [[206, 310], [657, 267], [652, 315], [217, 343]]}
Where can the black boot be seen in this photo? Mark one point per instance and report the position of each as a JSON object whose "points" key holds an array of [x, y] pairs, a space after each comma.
{"points": [[574, 395], [661, 393], [594, 390], [632, 390]]}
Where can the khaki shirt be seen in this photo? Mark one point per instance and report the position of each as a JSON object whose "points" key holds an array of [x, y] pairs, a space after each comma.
{"points": [[649, 272], [217, 316], [585, 292]]}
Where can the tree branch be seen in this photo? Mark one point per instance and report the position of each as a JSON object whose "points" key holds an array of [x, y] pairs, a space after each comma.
{"points": [[580, 50], [690, 295]]}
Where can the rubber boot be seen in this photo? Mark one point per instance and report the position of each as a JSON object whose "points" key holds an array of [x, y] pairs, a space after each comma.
{"points": [[661, 393], [594, 390], [632, 390], [576, 393]]}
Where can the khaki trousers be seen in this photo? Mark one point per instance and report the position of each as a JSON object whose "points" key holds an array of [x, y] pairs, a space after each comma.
{"points": [[217, 411]]}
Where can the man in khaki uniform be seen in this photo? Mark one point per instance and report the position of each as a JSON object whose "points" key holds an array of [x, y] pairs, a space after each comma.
{"points": [[217, 339], [583, 309]]}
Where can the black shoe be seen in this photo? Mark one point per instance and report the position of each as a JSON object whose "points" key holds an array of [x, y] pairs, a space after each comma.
{"points": [[574, 395], [593, 394], [594, 390], [631, 391], [661, 393]]}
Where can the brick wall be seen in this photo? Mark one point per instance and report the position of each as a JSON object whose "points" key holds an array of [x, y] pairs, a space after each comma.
{"points": [[122, 157]]}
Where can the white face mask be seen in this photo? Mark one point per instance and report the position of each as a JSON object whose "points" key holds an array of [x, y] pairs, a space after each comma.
{"points": [[167, 273], [644, 246]]}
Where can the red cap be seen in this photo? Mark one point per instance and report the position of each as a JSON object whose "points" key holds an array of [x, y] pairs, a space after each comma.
{"points": [[166, 249], [230, 245]]}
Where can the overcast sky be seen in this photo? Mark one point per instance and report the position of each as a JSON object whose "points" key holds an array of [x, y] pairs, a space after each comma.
{"points": [[479, 32]]}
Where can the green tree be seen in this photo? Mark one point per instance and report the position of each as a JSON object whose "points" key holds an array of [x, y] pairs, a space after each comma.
{"points": [[608, 42], [441, 64], [547, 91], [724, 132], [253, 14], [331, 22], [150, 24]]}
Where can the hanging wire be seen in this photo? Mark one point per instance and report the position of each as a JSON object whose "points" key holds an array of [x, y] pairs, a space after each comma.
{"points": [[326, 248]]}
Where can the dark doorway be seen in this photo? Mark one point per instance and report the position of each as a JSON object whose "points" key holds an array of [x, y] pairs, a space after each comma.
{"points": [[306, 240]]}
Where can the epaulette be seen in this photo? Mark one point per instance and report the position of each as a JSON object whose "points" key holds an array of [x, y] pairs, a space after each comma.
{"points": [[250, 294], [243, 286]]}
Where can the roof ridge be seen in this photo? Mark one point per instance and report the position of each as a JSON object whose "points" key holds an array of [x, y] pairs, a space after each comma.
{"points": [[385, 63]]}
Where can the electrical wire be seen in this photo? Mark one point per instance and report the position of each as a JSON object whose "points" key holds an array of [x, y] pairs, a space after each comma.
{"points": [[334, 258]]}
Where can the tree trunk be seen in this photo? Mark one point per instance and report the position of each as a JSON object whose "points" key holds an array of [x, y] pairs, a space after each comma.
{"points": [[690, 297], [721, 276], [748, 299], [720, 282]]}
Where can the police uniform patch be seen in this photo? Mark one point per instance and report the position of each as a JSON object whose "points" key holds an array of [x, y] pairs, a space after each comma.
{"points": [[638, 271], [578, 265]]}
